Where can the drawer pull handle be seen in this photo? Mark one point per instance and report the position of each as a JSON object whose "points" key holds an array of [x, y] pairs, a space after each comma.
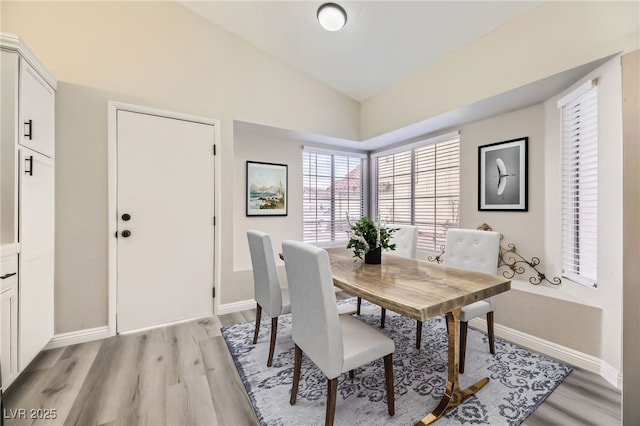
{"points": [[28, 129], [30, 161], [7, 275]]}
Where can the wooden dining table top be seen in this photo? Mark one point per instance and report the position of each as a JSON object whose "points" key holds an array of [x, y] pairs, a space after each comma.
{"points": [[415, 288]]}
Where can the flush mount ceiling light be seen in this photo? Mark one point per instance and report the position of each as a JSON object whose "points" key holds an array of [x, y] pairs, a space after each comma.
{"points": [[332, 16]]}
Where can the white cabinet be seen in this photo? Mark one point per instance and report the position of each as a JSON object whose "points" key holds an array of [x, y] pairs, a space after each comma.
{"points": [[9, 319], [36, 230], [37, 106], [27, 202]]}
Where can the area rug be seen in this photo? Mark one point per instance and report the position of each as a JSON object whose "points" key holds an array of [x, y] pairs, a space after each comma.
{"points": [[520, 380]]}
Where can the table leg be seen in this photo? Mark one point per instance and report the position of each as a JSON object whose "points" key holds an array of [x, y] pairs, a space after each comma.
{"points": [[453, 395]]}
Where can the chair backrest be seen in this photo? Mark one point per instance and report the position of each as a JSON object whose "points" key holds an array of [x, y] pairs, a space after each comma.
{"points": [[266, 284], [314, 313], [473, 249], [406, 240]]}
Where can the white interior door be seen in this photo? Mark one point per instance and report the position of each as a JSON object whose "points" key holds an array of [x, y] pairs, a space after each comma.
{"points": [[165, 208]]}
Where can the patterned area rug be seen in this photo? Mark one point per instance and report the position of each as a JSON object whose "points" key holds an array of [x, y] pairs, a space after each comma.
{"points": [[520, 380]]}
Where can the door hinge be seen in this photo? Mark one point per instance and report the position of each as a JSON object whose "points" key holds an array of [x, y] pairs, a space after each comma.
{"points": [[213, 292], [214, 149], [214, 221]]}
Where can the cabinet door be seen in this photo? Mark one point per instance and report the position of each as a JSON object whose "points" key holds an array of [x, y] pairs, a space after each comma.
{"points": [[36, 128], [36, 235], [9, 320]]}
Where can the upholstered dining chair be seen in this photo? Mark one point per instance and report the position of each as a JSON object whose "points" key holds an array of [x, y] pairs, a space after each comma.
{"points": [[479, 251], [270, 297], [335, 343], [405, 237]]}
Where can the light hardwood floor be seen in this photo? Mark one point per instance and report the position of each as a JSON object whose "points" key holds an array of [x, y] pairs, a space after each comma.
{"points": [[184, 375]]}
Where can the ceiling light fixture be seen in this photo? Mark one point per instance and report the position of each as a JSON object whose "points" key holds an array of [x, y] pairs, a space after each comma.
{"points": [[332, 16]]}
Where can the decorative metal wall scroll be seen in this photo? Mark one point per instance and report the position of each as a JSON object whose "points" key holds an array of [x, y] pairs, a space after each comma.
{"points": [[513, 261]]}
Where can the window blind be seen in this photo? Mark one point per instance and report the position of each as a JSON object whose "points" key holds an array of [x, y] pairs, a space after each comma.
{"points": [[421, 186], [334, 184], [580, 186]]}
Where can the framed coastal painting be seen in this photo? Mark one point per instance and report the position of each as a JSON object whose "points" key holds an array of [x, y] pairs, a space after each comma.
{"points": [[503, 176], [266, 189]]}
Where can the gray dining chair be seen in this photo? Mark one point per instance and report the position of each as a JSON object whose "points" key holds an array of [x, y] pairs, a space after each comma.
{"points": [[270, 297], [405, 237], [478, 251], [335, 343]]}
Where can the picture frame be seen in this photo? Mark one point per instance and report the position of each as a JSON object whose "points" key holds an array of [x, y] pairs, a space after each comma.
{"points": [[503, 178], [267, 189]]}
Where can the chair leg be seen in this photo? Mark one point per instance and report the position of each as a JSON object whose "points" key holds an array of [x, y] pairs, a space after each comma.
{"points": [[463, 344], [388, 377], [418, 333], [332, 390], [297, 364], [383, 316], [257, 328], [358, 306], [272, 343], [492, 342]]}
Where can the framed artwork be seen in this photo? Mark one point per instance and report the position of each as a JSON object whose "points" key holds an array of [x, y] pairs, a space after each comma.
{"points": [[503, 176], [266, 189]]}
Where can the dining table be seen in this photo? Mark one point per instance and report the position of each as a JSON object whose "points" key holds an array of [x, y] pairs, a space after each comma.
{"points": [[420, 289]]}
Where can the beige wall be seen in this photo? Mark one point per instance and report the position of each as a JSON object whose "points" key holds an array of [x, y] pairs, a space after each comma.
{"points": [[553, 37], [608, 294], [631, 169], [160, 55]]}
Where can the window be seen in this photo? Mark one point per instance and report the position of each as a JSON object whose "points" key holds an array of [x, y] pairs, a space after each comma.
{"points": [[580, 184], [421, 186], [333, 184]]}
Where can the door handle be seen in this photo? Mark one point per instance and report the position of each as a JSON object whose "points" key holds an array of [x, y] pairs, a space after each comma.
{"points": [[29, 160], [126, 233], [5, 276]]}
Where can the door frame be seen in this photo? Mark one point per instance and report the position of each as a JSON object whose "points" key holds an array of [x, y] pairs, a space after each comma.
{"points": [[112, 160]]}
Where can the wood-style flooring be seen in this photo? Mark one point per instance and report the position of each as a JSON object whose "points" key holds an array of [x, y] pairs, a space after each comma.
{"points": [[184, 375]]}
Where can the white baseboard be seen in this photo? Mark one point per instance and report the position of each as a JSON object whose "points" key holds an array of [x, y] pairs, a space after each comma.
{"points": [[553, 350], [80, 336], [229, 308]]}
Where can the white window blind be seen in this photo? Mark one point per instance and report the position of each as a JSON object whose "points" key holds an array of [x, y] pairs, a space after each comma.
{"points": [[580, 185], [333, 184], [421, 186]]}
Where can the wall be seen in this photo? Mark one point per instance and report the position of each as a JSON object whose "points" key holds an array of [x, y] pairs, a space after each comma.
{"points": [[553, 37], [631, 169], [608, 294], [160, 55], [536, 311]]}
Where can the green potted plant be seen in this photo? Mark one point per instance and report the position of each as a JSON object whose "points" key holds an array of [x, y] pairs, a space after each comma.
{"points": [[369, 238]]}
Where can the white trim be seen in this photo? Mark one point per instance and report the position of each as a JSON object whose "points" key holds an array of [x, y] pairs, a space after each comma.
{"points": [[418, 144], [559, 352], [334, 151], [242, 305], [16, 43], [112, 176], [577, 92], [167, 324], [75, 337]]}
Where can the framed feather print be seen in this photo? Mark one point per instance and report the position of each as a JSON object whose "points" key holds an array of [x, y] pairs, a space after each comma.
{"points": [[503, 176]]}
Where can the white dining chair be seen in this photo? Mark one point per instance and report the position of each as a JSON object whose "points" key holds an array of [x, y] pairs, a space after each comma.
{"points": [[335, 343], [478, 251], [405, 237], [270, 297]]}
